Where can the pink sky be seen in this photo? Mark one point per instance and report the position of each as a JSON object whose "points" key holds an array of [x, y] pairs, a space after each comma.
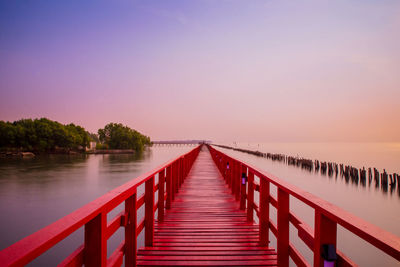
{"points": [[221, 70]]}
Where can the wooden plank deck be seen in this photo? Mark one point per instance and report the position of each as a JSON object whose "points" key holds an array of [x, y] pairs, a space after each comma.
{"points": [[205, 226]]}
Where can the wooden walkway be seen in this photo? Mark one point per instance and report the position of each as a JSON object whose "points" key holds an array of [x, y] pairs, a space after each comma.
{"points": [[205, 226]]}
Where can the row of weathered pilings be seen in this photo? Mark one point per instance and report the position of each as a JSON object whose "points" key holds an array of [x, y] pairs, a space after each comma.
{"points": [[349, 173]]}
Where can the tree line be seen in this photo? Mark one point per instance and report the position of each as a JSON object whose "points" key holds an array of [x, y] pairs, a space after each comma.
{"points": [[118, 136], [44, 135]]}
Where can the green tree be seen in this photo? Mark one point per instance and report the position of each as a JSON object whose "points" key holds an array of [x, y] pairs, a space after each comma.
{"points": [[42, 135], [118, 136]]}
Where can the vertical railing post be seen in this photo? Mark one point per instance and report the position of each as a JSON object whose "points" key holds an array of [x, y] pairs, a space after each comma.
{"points": [[169, 187], [325, 232], [173, 168], [231, 180], [161, 182], [187, 160], [149, 212], [130, 231], [242, 183], [226, 171], [176, 177], [96, 241], [221, 163], [237, 179], [182, 170], [264, 212], [283, 228], [179, 173], [250, 197]]}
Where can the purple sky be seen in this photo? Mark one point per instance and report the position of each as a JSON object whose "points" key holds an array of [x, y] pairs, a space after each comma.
{"points": [[213, 69]]}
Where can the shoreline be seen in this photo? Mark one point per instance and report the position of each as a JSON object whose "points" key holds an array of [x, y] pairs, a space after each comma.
{"points": [[30, 154]]}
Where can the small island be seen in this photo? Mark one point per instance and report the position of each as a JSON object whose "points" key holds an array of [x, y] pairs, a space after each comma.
{"points": [[28, 137]]}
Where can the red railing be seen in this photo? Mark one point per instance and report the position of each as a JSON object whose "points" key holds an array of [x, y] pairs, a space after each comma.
{"points": [[327, 215], [97, 230]]}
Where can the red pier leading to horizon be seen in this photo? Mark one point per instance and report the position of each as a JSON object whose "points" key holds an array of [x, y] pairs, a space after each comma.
{"points": [[205, 217]]}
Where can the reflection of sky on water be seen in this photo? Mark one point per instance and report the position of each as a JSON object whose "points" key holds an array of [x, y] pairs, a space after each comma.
{"points": [[36, 192], [368, 203]]}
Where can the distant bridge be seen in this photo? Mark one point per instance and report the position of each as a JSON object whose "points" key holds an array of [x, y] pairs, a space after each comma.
{"points": [[181, 142], [206, 204]]}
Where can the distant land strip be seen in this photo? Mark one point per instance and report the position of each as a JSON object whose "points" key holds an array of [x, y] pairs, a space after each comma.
{"points": [[179, 142]]}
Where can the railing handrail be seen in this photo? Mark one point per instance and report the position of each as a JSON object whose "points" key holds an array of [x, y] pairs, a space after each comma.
{"points": [[380, 238], [386, 241], [37, 243]]}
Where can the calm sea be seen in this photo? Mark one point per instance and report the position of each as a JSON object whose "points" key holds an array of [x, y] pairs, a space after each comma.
{"points": [[36, 192], [367, 202]]}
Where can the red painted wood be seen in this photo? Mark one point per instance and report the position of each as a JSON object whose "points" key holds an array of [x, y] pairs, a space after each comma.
{"points": [[140, 201], [283, 228], [237, 179], [243, 194], [205, 224], [325, 233], [372, 234], [149, 212], [130, 231], [173, 181], [115, 223], [161, 181], [264, 212], [344, 261], [140, 227], [297, 258], [73, 260], [176, 178], [209, 263], [204, 220], [250, 197], [117, 257], [168, 188], [29, 248], [95, 253]]}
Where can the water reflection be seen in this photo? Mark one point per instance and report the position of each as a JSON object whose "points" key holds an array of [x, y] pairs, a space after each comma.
{"points": [[36, 192], [40, 163], [357, 176], [369, 202]]}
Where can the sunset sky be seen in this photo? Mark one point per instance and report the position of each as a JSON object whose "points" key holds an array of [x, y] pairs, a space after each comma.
{"points": [[223, 70]]}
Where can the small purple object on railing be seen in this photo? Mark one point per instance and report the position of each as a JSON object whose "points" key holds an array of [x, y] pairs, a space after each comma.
{"points": [[329, 255], [244, 178]]}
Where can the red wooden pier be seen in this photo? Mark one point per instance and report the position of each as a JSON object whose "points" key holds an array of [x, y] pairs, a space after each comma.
{"points": [[205, 217]]}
